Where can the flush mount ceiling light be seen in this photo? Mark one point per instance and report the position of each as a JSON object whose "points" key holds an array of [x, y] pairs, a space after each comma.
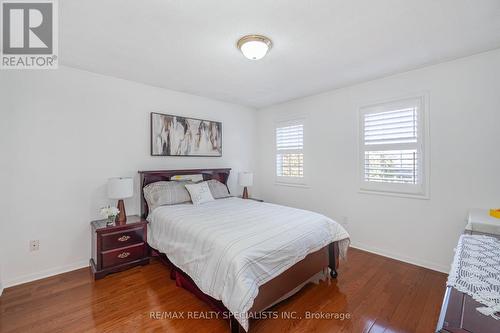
{"points": [[254, 47]]}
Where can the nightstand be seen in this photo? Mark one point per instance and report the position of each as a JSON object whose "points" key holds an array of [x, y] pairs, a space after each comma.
{"points": [[118, 247]]}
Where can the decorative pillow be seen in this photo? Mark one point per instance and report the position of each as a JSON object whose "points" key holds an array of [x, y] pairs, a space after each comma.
{"points": [[200, 193], [218, 189], [165, 193]]}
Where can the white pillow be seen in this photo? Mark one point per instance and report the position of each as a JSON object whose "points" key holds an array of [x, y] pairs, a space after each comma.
{"points": [[218, 189], [200, 193]]}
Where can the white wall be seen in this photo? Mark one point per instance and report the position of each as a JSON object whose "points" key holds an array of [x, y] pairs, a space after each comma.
{"points": [[67, 131], [1, 269], [64, 132], [1, 274], [465, 163], [1, 284], [5, 151]]}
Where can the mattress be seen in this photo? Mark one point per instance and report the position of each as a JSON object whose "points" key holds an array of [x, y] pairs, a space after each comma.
{"points": [[229, 247]]}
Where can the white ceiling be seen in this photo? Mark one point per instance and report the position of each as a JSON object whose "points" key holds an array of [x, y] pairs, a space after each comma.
{"points": [[189, 45]]}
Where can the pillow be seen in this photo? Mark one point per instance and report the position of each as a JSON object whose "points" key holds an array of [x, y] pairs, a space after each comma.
{"points": [[200, 193], [165, 193], [218, 189]]}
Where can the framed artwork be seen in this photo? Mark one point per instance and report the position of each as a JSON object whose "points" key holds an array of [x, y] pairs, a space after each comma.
{"points": [[182, 136]]}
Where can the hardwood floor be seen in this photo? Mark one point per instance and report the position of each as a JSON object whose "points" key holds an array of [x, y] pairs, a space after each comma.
{"points": [[379, 294]]}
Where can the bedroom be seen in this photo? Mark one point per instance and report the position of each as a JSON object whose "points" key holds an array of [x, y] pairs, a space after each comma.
{"points": [[307, 129]]}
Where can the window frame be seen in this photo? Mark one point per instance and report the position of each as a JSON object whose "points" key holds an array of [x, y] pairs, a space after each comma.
{"points": [[283, 180], [418, 191]]}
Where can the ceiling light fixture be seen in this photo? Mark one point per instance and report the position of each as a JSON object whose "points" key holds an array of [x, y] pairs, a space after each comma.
{"points": [[254, 47]]}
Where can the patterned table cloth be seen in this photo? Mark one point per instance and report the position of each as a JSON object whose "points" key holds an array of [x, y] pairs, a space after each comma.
{"points": [[476, 271]]}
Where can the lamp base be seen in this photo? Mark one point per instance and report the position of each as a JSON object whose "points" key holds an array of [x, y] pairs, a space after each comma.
{"points": [[121, 218], [245, 193]]}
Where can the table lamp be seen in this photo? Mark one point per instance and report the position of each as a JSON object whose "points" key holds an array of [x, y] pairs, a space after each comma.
{"points": [[119, 189], [245, 179]]}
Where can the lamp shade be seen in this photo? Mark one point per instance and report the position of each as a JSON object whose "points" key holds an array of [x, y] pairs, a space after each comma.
{"points": [[120, 188], [245, 179]]}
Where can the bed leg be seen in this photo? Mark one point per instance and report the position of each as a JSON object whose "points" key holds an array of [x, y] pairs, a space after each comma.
{"points": [[235, 327], [332, 259]]}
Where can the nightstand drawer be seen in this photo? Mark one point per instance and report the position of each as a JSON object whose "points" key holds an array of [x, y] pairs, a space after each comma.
{"points": [[122, 238], [123, 255]]}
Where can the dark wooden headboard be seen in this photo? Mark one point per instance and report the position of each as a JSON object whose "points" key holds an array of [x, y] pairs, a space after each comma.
{"points": [[148, 177]]}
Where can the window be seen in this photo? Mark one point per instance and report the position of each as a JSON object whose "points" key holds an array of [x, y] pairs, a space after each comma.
{"points": [[392, 148], [290, 152]]}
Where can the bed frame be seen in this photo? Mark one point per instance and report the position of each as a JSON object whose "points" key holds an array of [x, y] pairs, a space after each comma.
{"points": [[270, 293]]}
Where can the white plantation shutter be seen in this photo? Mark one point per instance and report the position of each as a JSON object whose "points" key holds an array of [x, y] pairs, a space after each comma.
{"points": [[398, 126], [290, 151], [290, 137], [392, 144], [391, 166]]}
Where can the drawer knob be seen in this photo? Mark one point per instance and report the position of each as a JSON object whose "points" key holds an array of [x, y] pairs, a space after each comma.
{"points": [[123, 255], [123, 238]]}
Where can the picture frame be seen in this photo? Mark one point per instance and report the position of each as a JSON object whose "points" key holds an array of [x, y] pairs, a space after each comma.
{"points": [[173, 135]]}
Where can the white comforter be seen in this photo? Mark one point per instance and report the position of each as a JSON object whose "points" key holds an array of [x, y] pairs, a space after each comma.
{"points": [[229, 247]]}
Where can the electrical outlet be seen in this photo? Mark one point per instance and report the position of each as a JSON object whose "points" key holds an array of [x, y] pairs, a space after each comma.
{"points": [[34, 245]]}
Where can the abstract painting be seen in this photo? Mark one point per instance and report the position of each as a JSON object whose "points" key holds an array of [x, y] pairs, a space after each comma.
{"points": [[181, 136]]}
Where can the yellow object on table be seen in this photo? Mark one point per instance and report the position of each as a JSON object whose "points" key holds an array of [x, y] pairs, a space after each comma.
{"points": [[495, 213]]}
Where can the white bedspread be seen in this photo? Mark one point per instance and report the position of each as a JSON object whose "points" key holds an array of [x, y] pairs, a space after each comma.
{"points": [[229, 247]]}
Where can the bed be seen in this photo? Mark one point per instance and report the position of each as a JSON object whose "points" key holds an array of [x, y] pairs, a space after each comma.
{"points": [[241, 256]]}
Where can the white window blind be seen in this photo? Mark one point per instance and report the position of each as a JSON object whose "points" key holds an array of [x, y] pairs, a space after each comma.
{"points": [[290, 151], [392, 147]]}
